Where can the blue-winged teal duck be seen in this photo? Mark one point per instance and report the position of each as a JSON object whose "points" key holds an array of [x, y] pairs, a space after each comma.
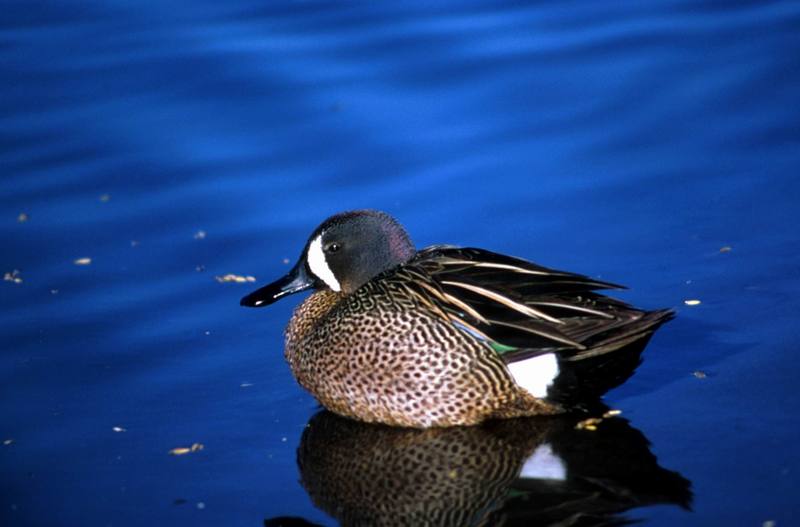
{"points": [[446, 335]]}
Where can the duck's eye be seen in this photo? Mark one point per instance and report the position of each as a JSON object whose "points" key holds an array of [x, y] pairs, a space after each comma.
{"points": [[332, 247]]}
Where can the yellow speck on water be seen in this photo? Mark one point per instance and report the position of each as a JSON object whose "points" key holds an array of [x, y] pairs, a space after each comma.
{"points": [[692, 302], [725, 249], [82, 261], [180, 451], [13, 276], [22, 217], [589, 424], [239, 279]]}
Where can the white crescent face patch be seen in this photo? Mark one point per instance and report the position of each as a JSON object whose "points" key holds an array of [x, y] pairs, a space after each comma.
{"points": [[319, 265]]}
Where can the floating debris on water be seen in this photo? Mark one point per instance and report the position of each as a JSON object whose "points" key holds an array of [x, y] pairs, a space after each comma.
{"points": [[22, 217], [200, 235], [119, 429], [201, 505], [591, 423], [692, 302], [239, 279], [105, 197], [82, 261], [699, 374], [13, 276], [134, 243], [285, 261], [725, 249], [54, 291], [246, 385], [180, 451], [200, 268], [7, 442]]}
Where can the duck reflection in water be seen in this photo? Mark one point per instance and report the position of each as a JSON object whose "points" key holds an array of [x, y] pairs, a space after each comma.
{"points": [[527, 471]]}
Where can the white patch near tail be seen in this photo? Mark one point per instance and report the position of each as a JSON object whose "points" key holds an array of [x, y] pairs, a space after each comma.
{"points": [[536, 374], [544, 464], [319, 265]]}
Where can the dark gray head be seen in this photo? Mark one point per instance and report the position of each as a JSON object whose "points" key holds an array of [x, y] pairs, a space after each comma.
{"points": [[342, 254]]}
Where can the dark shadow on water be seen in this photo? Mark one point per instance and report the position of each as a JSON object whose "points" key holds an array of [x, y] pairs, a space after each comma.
{"points": [[534, 471]]}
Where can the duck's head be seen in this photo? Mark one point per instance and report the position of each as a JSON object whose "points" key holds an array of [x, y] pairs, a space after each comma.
{"points": [[342, 254]]}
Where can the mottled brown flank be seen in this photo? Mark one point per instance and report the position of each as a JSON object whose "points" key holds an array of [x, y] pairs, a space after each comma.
{"points": [[378, 356]]}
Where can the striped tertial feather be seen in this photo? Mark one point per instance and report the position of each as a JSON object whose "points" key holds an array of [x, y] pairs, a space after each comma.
{"points": [[511, 301], [503, 299]]}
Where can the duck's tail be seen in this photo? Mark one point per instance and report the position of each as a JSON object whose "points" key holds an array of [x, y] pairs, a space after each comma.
{"points": [[574, 378]]}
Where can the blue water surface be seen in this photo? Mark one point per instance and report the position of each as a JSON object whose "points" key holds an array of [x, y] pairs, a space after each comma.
{"points": [[655, 144]]}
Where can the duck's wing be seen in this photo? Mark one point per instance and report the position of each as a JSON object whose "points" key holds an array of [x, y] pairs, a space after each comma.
{"points": [[514, 304]]}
